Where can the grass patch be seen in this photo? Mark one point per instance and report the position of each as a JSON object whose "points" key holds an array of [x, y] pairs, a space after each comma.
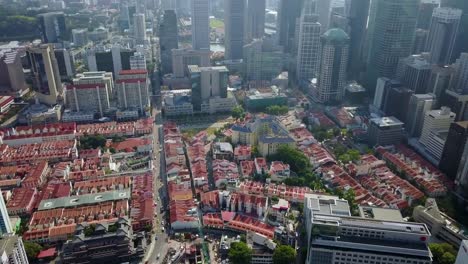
{"points": [[216, 23]]}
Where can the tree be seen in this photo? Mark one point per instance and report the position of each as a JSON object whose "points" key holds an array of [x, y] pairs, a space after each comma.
{"points": [[277, 109], [92, 142], [284, 254], [32, 250], [239, 253], [238, 112], [443, 253]]}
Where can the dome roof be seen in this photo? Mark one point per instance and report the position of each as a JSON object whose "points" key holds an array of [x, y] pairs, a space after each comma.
{"points": [[336, 34]]}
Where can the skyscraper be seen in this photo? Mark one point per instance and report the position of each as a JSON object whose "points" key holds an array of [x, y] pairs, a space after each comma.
{"points": [[234, 13], [435, 121], [255, 20], [333, 61], [414, 72], [357, 12], [443, 32], [46, 75], [139, 28], [308, 49], [200, 25], [453, 149], [168, 39], [462, 38], [323, 10], [207, 82], [392, 24], [418, 106], [52, 27], [426, 8], [289, 12], [5, 224], [460, 80]]}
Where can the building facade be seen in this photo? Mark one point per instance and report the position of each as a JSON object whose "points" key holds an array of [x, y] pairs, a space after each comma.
{"points": [[454, 147], [132, 88], [200, 25], [234, 16], [90, 91], [357, 12], [139, 28], [334, 52], [308, 55], [443, 33], [255, 20], [418, 106], [181, 58], [385, 131], [384, 50], [12, 250], [168, 39], [52, 27]]}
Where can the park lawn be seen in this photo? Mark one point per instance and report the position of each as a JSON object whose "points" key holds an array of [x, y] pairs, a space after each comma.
{"points": [[216, 23]]}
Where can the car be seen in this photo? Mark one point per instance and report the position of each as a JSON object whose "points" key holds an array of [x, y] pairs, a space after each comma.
{"points": [[158, 256], [155, 238], [162, 229]]}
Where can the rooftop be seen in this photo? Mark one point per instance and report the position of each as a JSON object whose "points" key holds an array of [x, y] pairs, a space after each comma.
{"points": [[86, 199]]}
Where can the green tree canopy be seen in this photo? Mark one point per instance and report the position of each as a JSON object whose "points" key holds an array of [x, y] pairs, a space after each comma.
{"points": [[92, 142], [284, 254], [443, 253], [32, 250], [238, 112], [240, 253], [277, 109]]}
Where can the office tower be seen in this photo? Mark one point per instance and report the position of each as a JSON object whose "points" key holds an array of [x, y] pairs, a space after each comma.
{"points": [[396, 102], [80, 36], [442, 34], [138, 61], [132, 88], [385, 131], [460, 80], [45, 72], [90, 91], [462, 38], [381, 91], [263, 60], [462, 175], [457, 102], [289, 12], [65, 63], [12, 250], [387, 45], [323, 10], [426, 8], [357, 12], [5, 224], [168, 39], [419, 104], [439, 81], [181, 58], [109, 59], [255, 20], [420, 38], [308, 49], [453, 149], [234, 11], [334, 50], [200, 25], [139, 28], [434, 131], [414, 72], [12, 78], [52, 27], [207, 82]]}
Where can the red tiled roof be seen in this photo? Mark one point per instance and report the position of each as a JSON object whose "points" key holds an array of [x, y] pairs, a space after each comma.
{"points": [[131, 72]]}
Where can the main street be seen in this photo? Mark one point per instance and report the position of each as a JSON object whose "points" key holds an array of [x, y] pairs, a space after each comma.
{"points": [[159, 245]]}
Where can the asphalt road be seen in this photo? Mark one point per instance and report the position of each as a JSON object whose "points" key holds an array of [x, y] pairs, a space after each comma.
{"points": [[159, 244]]}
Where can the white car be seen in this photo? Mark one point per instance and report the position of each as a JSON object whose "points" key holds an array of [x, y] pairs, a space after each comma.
{"points": [[158, 256]]}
